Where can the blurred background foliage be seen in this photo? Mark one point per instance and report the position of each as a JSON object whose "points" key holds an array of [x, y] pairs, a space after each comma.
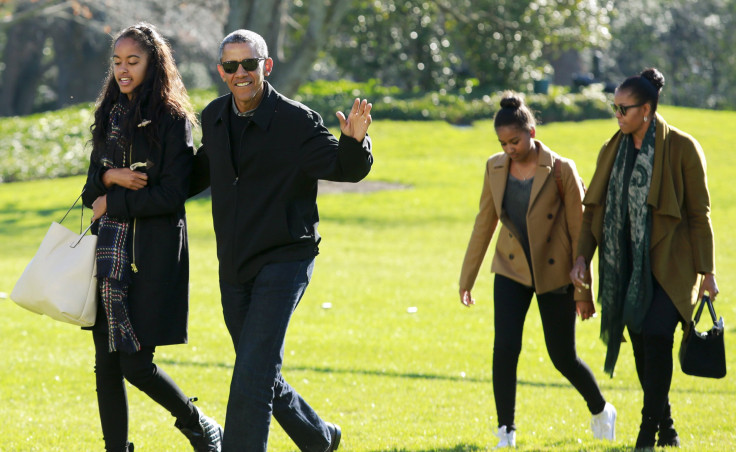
{"points": [[55, 52], [414, 59]]}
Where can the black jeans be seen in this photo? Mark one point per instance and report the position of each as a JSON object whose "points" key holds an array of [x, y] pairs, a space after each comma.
{"points": [[511, 302], [138, 368]]}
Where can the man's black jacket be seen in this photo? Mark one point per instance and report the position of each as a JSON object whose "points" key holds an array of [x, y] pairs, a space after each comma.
{"points": [[264, 207]]}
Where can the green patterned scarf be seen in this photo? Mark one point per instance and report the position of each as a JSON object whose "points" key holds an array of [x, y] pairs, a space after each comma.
{"points": [[626, 293]]}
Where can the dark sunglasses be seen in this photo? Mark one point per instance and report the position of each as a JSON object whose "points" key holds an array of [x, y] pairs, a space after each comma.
{"points": [[249, 64], [622, 108]]}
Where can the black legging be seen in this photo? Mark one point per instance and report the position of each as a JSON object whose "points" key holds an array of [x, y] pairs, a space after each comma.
{"points": [[511, 302], [653, 354], [139, 369]]}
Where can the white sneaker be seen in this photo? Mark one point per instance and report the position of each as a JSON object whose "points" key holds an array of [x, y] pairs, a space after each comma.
{"points": [[507, 438], [603, 424]]}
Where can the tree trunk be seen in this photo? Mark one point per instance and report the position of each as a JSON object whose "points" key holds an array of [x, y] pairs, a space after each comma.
{"points": [[79, 50], [23, 69]]}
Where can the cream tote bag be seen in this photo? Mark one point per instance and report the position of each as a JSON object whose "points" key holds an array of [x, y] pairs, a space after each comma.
{"points": [[60, 280]]}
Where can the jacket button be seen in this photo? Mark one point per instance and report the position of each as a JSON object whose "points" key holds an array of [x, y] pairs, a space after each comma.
{"points": [[549, 239], [551, 261], [511, 235], [549, 216], [511, 256]]}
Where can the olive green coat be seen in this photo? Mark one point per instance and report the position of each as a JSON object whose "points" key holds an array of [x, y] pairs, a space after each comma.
{"points": [[681, 244]]}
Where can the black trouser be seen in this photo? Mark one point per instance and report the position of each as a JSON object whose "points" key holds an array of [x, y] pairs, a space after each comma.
{"points": [[138, 368], [511, 302], [653, 354]]}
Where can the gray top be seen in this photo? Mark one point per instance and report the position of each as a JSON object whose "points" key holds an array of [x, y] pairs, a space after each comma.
{"points": [[516, 204]]}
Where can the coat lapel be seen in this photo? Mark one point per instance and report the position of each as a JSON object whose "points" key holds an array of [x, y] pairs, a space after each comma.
{"points": [[662, 193], [498, 175], [544, 169], [222, 134]]}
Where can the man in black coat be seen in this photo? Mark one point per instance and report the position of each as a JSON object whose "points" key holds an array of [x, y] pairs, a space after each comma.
{"points": [[262, 155]]}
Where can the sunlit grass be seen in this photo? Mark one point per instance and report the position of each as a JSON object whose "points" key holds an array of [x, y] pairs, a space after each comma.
{"points": [[394, 380]]}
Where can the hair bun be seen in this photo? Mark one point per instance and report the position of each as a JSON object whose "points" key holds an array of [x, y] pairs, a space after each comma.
{"points": [[654, 76], [511, 100]]}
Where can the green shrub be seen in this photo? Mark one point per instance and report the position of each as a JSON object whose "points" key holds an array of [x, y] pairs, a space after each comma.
{"points": [[45, 145], [456, 108]]}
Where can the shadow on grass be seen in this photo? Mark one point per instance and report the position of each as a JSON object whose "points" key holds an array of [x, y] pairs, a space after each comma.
{"points": [[11, 218], [555, 446], [458, 448], [423, 376]]}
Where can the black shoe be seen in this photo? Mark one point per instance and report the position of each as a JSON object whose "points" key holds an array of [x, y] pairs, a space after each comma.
{"points": [[206, 437], [335, 436], [668, 438], [647, 432]]}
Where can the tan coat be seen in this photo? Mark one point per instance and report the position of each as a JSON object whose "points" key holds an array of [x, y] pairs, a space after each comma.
{"points": [[553, 227], [682, 235]]}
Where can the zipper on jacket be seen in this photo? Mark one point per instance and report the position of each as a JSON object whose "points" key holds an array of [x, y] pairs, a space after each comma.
{"points": [[180, 225], [132, 263], [135, 220]]}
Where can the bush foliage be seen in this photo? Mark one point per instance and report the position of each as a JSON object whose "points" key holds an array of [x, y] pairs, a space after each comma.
{"points": [[461, 108], [54, 144]]}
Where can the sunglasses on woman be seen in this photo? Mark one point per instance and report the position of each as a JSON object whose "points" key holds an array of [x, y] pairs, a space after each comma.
{"points": [[623, 108], [249, 64]]}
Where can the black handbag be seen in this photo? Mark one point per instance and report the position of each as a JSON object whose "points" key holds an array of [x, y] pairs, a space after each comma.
{"points": [[704, 354]]}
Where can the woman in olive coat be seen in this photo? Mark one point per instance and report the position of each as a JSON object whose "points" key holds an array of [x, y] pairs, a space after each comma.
{"points": [[648, 212]]}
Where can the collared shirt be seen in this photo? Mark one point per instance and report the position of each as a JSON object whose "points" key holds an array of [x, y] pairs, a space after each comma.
{"points": [[245, 114]]}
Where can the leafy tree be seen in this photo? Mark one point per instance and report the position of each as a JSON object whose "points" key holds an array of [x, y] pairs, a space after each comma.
{"points": [[402, 43], [436, 44], [690, 41]]}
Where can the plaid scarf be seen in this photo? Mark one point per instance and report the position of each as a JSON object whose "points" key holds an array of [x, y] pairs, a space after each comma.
{"points": [[626, 293], [113, 236]]}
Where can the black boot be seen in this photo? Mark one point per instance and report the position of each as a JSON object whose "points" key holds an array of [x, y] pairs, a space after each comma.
{"points": [[127, 448], [203, 433], [668, 436], [657, 362], [647, 431]]}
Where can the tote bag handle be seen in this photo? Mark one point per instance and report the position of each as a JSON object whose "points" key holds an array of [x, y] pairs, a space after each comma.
{"points": [[81, 221]]}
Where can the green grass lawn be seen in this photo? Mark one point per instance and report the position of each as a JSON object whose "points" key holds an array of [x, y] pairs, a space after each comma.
{"points": [[394, 380]]}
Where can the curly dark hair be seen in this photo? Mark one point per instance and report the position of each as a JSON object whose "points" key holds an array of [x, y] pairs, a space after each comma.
{"points": [[162, 91]]}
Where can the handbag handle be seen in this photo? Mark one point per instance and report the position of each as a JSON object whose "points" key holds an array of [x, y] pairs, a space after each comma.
{"points": [[706, 301], [81, 221], [70, 209], [81, 236]]}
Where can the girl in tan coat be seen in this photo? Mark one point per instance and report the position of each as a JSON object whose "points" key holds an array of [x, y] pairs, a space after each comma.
{"points": [[540, 223]]}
